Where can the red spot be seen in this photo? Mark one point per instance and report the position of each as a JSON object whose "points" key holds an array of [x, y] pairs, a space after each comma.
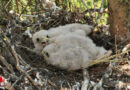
{"points": [[1, 79]]}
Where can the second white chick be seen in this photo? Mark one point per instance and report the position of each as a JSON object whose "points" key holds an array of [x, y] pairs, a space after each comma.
{"points": [[81, 29], [72, 52]]}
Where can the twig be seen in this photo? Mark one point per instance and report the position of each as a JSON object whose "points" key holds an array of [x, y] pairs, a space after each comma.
{"points": [[106, 75], [127, 47], [86, 83], [93, 62], [99, 14], [24, 8], [9, 67], [4, 71], [51, 83], [17, 6], [95, 10], [17, 61], [21, 70], [21, 60], [28, 49], [84, 4], [106, 55], [16, 82], [8, 3], [85, 74]]}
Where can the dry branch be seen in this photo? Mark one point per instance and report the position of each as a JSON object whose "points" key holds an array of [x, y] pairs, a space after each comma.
{"points": [[17, 61], [108, 59], [9, 66]]}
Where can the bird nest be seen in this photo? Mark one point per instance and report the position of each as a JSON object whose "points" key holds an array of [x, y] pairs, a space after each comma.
{"points": [[22, 68]]}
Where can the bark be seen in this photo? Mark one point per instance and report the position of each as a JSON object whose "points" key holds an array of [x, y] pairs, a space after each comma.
{"points": [[119, 19]]}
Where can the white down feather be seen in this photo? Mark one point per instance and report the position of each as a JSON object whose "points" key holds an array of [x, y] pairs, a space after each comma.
{"points": [[72, 49], [81, 29]]}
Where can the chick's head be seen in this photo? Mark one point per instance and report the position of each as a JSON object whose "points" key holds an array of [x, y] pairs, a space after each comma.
{"points": [[41, 39]]}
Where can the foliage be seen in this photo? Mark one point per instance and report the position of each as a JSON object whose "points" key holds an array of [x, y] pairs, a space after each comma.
{"points": [[97, 9], [73, 5]]}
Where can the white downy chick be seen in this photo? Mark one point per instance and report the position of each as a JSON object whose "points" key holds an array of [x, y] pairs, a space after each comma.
{"points": [[67, 46], [37, 38], [72, 52], [81, 29]]}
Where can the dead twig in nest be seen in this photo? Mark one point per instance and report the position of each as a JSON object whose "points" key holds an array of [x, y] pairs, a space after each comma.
{"points": [[127, 47], [16, 82], [28, 49], [107, 59], [12, 50], [9, 66]]}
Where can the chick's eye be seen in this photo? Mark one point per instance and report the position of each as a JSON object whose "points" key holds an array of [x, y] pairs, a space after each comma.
{"points": [[38, 39], [47, 36], [47, 54]]}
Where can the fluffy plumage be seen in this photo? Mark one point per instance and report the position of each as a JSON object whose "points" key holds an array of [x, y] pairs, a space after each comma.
{"points": [[72, 52], [68, 47], [80, 29]]}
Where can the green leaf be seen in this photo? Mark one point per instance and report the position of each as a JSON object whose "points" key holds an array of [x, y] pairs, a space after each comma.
{"points": [[89, 4], [104, 4]]}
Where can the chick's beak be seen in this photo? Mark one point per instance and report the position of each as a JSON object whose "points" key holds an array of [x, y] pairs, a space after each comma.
{"points": [[44, 41]]}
